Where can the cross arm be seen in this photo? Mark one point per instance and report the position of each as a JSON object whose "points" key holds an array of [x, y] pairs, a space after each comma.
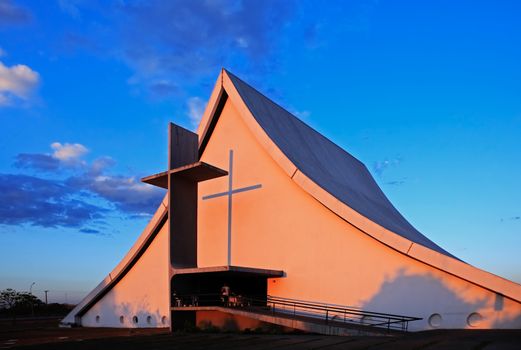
{"points": [[197, 172]]}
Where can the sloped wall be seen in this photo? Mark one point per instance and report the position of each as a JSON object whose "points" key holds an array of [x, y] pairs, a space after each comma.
{"points": [[279, 226], [141, 298]]}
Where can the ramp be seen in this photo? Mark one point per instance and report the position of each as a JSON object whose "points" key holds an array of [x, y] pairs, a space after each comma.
{"points": [[309, 317]]}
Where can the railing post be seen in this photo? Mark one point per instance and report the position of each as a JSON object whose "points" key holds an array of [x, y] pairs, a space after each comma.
{"points": [[372, 319]]}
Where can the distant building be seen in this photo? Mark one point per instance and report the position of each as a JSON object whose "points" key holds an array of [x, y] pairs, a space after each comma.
{"points": [[262, 203]]}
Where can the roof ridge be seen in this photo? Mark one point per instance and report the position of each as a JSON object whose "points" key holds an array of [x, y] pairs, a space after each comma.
{"points": [[294, 116], [327, 164]]}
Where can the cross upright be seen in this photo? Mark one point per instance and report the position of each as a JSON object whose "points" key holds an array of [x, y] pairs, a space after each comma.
{"points": [[230, 193], [184, 172]]}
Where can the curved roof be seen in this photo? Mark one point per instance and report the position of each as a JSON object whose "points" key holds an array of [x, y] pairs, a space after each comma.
{"points": [[337, 174], [328, 165]]}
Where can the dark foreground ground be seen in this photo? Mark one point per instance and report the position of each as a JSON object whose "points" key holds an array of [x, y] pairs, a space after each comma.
{"points": [[44, 334]]}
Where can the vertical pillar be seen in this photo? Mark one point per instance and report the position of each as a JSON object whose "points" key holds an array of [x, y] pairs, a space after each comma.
{"points": [[182, 198]]}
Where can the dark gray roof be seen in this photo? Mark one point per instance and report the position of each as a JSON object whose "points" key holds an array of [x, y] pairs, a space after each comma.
{"points": [[328, 165]]}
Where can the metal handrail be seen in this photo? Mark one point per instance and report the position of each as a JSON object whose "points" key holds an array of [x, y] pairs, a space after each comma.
{"points": [[327, 312], [337, 308], [372, 319], [332, 307]]}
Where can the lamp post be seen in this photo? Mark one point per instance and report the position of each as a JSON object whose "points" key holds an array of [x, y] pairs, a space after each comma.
{"points": [[31, 292]]}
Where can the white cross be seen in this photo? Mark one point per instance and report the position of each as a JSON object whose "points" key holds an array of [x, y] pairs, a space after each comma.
{"points": [[230, 193]]}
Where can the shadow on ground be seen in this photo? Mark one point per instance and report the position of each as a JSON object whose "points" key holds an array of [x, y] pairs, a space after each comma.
{"points": [[45, 334]]}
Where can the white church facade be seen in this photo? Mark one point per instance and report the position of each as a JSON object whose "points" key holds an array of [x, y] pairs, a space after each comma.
{"points": [[260, 202]]}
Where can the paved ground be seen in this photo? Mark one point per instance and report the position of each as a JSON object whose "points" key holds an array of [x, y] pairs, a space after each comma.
{"points": [[44, 334]]}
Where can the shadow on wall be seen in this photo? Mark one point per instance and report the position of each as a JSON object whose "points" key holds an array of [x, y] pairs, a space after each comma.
{"points": [[141, 316], [114, 313], [428, 297], [508, 323]]}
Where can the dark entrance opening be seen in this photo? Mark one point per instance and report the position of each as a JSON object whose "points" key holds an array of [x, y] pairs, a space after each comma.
{"points": [[196, 289], [206, 289], [203, 286]]}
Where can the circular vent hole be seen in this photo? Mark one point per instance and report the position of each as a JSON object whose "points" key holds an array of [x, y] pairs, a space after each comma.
{"points": [[435, 320], [474, 319]]}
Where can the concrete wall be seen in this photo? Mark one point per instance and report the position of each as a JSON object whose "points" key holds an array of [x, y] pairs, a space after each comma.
{"points": [[279, 226], [225, 321], [142, 295]]}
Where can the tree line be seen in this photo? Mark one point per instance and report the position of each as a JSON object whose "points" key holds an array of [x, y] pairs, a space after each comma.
{"points": [[15, 304]]}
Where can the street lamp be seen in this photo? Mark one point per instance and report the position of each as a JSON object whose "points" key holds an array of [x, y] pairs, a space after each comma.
{"points": [[31, 292]]}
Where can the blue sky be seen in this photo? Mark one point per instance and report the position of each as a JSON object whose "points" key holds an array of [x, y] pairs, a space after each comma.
{"points": [[426, 93]]}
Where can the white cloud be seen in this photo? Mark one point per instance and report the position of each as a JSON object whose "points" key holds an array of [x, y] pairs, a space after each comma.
{"points": [[196, 107], [17, 82], [68, 152], [242, 42]]}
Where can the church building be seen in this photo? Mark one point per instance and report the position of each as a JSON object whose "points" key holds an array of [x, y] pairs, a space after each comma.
{"points": [[266, 221]]}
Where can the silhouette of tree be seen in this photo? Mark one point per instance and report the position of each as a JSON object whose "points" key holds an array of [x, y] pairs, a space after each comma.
{"points": [[8, 298], [14, 301]]}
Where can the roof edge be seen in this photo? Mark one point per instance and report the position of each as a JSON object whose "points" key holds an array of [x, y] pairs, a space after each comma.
{"points": [[393, 240], [132, 256]]}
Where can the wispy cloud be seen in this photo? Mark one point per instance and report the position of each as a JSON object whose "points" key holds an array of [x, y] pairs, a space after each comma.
{"points": [[196, 107], [162, 35], [64, 196], [512, 218], [168, 42], [42, 162], [12, 14], [91, 231], [41, 202], [162, 88], [379, 167], [64, 155], [17, 83], [396, 182], [125, 193], [301, 114]]}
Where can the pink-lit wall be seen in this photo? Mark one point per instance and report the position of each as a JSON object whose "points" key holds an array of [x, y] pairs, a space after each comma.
{"points": [[326, 259], [329, 253], [142, 293]]}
